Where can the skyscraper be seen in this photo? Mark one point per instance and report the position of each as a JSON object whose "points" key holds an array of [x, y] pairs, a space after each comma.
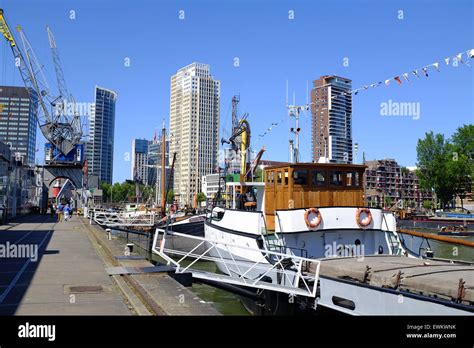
{"points": [[194, 128], [139, 166], [100, 147], [18, 122], [331, 109]]}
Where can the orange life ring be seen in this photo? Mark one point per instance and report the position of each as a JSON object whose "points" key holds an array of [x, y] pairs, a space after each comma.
{"points": [[369, 217], [318, 216]]}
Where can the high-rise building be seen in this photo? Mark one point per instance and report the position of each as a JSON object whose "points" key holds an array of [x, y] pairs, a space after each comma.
{"points": [[194, 128], [331, 109], [139, 166], [18, 122], [100, 147]]}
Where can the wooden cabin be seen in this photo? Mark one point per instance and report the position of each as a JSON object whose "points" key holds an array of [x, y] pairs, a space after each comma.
{"points": [[303, 185]]}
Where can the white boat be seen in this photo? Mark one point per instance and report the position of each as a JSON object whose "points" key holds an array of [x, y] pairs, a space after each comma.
{"points": [[316, 211]]}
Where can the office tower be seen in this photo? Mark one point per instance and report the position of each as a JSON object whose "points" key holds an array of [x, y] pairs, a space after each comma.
{"points": [[100, 147], [18, 122], [331, 109], [194, 128], [139, 168]]}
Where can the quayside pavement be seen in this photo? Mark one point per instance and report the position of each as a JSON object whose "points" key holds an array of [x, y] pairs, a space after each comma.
{"points": [[65, 277], [50, 268]]}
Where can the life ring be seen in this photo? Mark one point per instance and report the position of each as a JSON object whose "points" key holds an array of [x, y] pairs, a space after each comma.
{"points": [[318, 217], [366, 221]]}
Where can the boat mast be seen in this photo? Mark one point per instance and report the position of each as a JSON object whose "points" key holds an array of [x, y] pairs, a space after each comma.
{"points": [[163, 170]]}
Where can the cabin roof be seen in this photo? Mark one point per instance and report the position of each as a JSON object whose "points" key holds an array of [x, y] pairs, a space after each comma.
{"points": [[312, 165]]}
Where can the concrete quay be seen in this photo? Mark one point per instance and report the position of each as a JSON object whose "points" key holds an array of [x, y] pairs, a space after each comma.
{"points": [[71, 268]]}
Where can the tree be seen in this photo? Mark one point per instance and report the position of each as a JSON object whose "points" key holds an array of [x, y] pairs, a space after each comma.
{"points": [[433, 158], [446, 167], [201, 197], [462, 166], [388, 201], [428, 204], [170, 198], [404, 171]]}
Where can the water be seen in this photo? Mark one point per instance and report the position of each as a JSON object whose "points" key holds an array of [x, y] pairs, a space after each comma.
{"points": [[450, 251], [225, 302]]}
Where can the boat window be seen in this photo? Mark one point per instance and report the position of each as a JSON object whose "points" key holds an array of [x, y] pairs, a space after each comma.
{"points": [[349, 179], [356, 179], [336, 178], [286, 176], [268, 178], [272, 177], [318, 178], [300, 177], [352, 179], [279, 177]]}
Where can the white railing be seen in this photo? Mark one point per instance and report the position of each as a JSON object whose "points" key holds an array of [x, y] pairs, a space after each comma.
{"points": [[122, 219], [288, 273]]}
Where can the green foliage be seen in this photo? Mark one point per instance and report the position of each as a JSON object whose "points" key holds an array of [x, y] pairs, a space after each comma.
{"points": [[428, 204], [444, 166], [125, 192], [170, 198], [201, 197]]}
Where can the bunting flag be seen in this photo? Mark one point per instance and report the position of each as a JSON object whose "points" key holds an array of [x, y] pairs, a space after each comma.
{"points": [[458, 57], [154, 138]]}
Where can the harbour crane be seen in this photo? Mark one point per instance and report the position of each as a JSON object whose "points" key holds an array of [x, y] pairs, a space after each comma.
{"points": [[61, 130]]}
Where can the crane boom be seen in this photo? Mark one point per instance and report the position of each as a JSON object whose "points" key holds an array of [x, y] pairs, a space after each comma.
{"points": [[65, 96], [57, 65], [55, 126]]}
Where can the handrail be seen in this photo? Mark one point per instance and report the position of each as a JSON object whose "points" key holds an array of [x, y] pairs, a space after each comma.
{"points": [[116, 219], [300, 279], [445, 239]]}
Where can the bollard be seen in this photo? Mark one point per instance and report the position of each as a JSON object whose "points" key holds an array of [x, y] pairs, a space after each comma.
{"points": [[130, 247], [109, 233]]}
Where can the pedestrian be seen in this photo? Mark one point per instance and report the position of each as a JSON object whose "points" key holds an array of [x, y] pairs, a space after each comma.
{"points": [[60, 212], [67, 212]]}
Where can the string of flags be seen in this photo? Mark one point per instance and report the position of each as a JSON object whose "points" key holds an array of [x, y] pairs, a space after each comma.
{"points": [[399, 79], [416, 73]]}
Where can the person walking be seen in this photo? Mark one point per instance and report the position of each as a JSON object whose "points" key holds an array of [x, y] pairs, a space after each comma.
{"points": [[60, 212], [67, 212]]}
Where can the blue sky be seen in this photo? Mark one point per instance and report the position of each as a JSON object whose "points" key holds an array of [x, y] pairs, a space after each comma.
{"points": [[272, 49]]}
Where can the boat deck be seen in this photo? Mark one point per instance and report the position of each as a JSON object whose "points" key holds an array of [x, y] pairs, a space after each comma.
{"points": [[450, 281]]}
